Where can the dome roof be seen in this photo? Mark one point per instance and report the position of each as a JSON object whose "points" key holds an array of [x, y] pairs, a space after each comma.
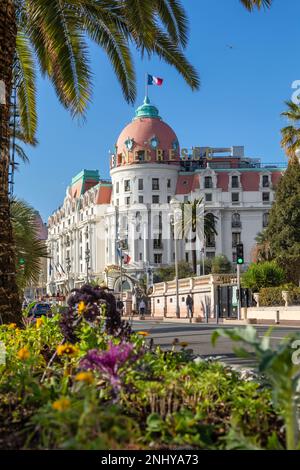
{"points": [[146, 139]]}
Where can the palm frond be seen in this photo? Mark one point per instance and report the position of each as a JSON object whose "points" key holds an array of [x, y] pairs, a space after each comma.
{"points": [[103, 29], [174, 19], [167, 50], [58, 40], [251, 4], [28, 245], [26, 78]]}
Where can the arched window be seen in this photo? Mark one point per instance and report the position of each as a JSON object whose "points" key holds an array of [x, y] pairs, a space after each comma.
{"points": [[209, 224], [236, 220]]}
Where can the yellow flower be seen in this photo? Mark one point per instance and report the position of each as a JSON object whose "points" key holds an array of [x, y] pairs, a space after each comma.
{"points": [[143, 333], [23, 353], [61, 405], [12, 326], [81, 307], [86, 377], [184, 344], [66, 349], [39, 322]]}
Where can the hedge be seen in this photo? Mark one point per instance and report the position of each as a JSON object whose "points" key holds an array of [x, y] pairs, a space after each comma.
{"points": [[271, 296]]}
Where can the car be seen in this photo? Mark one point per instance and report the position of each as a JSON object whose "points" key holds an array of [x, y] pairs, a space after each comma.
{"points": [[39, 309]]}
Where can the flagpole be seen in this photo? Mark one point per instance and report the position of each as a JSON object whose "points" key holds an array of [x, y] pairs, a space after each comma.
{"points": [[146, 84]]}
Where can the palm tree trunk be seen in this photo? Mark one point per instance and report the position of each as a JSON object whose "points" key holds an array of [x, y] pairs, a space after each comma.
{"points": [[10, 308], [194, 261]]}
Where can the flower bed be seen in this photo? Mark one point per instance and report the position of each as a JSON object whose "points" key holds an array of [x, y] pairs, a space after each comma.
{"points": [[84, 380]]}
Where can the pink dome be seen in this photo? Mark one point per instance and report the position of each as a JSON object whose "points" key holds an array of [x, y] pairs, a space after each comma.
{"points": [[147, 139]]}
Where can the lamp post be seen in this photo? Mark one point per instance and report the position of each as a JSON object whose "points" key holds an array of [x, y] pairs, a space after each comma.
{"points": [[174, 205], [68, 266], [87, 261]]}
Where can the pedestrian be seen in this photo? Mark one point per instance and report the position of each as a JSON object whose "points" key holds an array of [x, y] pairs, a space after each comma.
{"points": [[120, 306], [189, 305], [142, 308]]}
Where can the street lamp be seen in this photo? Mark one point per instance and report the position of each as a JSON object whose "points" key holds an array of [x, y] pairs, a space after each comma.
{"points": [[68, 266], [175, 204], [87, 261]]}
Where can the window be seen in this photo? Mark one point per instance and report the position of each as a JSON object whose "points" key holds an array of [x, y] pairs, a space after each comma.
{"points": [[155, 184], [236, 238], [157, 258], [117, 187], [266, 216], [155, 199], [235, 197], [141, 256], [127, 201], [234, 181], [236, 220], [141, 184], [168, 183], [208, 197], [168, 199], [187, 257], [127, 185], [210, 241], [208, 182], [141, 199], [266, 197], [157, 243], [265, 181]]}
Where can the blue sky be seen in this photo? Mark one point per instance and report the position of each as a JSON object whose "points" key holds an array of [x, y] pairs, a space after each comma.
{"points": [[242, 94]]}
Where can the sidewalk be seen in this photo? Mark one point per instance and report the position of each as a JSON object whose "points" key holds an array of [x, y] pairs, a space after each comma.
{"points": [[212, 321]]}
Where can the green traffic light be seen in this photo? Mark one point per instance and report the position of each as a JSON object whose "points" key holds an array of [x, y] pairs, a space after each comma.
{"points": [[240, 261], [21, 261]]}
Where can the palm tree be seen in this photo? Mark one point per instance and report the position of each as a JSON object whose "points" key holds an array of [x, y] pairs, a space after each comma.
{"points": [[262, 250], [192, 221], [291, 134], [30, 249]]}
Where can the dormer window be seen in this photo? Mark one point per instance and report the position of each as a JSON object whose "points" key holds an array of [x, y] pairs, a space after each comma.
{"points": [[235, 181], [208, 183], [265, 181]]}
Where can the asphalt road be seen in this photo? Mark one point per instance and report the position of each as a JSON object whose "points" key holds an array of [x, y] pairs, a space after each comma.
{"points": [[198, 337]]}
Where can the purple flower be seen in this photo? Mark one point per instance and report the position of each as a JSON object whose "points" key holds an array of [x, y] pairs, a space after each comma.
{"points": [[108, 362]]}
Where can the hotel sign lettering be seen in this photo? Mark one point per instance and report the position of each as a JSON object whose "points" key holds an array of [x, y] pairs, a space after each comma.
{"points": [[146, 155]]}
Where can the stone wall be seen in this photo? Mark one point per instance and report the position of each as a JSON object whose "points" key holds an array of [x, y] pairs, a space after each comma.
{"points": [[202, 289]]}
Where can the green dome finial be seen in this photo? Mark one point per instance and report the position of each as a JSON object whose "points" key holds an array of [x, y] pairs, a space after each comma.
{"points": [[147, 110]]}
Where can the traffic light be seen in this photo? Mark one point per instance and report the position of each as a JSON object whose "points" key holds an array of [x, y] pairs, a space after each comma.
{"points": [[240, 253], [22, 263]]}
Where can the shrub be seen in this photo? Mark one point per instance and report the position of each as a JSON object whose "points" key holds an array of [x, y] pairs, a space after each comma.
{"points": [[271, 296], [294, 296], [267, 274], [221, 265]]}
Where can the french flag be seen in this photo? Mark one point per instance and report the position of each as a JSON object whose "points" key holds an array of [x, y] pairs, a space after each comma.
{"points": [[155, 80]]}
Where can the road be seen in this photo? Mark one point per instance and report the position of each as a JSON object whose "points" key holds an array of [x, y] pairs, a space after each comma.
{"points": [[198, 337]]}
